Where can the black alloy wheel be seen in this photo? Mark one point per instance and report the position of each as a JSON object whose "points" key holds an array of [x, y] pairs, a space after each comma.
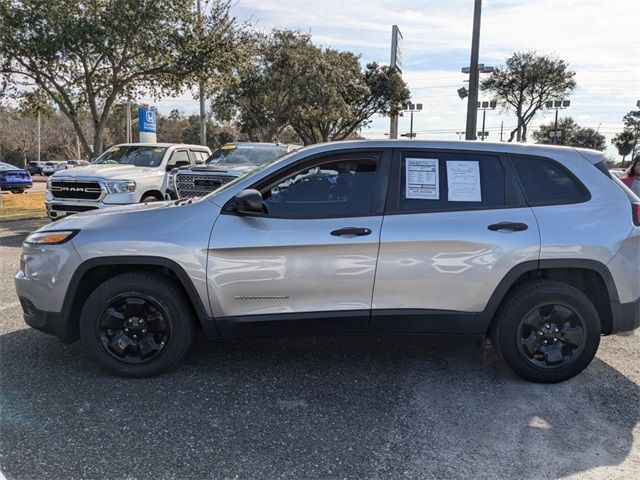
{"points": [[552, 336], [134, 328]]}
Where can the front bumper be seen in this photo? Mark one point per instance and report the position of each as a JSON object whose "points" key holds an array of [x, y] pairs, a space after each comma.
{"points": [[56, 324], [625, 316]]}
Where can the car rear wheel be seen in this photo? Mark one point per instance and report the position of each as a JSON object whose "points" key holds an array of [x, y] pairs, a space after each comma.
{"points": [[17, 190], [546, 331], [137, 325]]}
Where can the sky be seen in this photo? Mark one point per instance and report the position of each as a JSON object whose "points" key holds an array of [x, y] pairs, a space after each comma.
{"points": [[599, 39]]}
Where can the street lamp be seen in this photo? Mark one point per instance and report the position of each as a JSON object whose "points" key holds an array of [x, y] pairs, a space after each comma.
{"points": [[558, 105], [484, 106], [472, 93], [411, 108]]}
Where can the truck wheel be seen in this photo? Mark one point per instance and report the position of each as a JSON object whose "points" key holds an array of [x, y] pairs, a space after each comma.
{"points": [[546, 331], [149, 198], [17, 190], [136, 324]]}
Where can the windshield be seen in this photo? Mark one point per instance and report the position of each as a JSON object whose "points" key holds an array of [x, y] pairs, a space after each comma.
{"points": [[245, 154], [137, 155]]}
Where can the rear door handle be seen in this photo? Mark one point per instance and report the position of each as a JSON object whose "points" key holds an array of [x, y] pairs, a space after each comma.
{"points": [[354, 231], [512, 226]]}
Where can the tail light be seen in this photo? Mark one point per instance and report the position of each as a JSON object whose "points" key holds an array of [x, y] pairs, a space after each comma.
{"points": [[636, 213]]}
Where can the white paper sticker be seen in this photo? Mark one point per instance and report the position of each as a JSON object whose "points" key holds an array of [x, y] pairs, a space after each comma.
{"points": [[463, 180], [422, 178]]}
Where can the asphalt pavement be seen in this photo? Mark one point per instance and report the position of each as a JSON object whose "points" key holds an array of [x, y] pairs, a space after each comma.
{"points": [[308, 408]]}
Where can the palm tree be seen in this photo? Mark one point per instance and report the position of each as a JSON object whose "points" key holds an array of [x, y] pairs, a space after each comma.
{"points": [[624, 143]]}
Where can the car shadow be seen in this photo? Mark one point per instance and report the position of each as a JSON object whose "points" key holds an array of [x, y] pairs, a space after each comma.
{"points": [[328, 407]]}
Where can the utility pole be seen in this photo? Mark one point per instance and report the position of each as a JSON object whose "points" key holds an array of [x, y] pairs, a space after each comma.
{"points": [[203, 119], [129, 133], [474, 74], [501, 129], [39, 137], [397, 51]]}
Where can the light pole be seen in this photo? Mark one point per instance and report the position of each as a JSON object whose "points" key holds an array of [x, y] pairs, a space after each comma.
{"points": [[558, 105], [484, 106], [464, 93], [411, 108], [474, 74]]}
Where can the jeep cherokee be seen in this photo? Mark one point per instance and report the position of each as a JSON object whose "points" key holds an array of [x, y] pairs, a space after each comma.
{"points": [[537, 247]]}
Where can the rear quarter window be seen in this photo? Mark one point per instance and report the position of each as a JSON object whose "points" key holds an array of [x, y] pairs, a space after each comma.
{"points": [[546, 182]]}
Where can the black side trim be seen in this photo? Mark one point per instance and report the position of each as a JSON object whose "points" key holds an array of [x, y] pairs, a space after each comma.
{"points": [[433, 322], [594, 265], [48, 322], [342, 322], [206, 321]]}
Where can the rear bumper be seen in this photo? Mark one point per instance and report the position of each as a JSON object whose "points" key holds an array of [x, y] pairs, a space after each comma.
{"points": [[625, 316], [56, 324]]}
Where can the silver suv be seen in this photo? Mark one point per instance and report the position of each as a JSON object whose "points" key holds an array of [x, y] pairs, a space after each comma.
{"points": [[536, 247]]}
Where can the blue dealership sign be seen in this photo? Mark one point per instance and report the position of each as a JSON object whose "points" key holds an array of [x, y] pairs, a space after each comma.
{"points": [[147, 120]]}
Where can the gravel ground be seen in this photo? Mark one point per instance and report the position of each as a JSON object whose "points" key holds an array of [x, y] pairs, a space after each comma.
{"points": [[327, 408]]}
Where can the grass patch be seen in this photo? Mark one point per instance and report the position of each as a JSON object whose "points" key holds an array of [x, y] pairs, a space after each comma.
{"points": [[22, 206]]}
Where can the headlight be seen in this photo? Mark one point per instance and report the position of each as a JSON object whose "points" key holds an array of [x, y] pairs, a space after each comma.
{"points": [[171, 179], [52, 237], [121, 186]]}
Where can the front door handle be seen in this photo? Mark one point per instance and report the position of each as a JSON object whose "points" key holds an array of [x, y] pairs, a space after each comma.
{"points": [[511, 226], [353, 231]]}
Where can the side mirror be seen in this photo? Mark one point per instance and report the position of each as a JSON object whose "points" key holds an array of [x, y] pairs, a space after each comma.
{"points": [[248, 202]]}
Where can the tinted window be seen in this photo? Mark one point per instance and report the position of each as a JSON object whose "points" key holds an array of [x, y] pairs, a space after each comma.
{"points": [[450, 181], [545, 182], [330, 189]]}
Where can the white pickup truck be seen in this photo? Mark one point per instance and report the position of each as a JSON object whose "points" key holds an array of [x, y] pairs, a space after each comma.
{"points": [[124, 174]]}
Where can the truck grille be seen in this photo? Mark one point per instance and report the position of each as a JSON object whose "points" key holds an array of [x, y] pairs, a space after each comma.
{"points": [[198, 185], [76, 190]]}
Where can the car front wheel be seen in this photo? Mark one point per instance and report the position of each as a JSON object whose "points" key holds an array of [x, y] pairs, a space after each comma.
{"points": [[136, 324], [546, 331]]}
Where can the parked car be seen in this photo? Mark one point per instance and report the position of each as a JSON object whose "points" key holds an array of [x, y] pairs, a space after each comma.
{"points": [[35, 168], [75, 163], [227, 163], [14, 179], [49, 168], [536, 247], [123, 174]]}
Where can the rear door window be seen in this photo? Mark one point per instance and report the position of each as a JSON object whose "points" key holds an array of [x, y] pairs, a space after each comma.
{"points": [[442, 181]]}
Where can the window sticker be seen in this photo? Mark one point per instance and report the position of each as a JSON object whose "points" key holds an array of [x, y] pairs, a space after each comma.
{"points": [[463, 180], [422, 178]]}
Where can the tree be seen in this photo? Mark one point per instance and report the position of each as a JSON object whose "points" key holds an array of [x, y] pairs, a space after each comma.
{"points": [[571, 135], [624, 143], [526, 83], [87, 54], [322, 94]]}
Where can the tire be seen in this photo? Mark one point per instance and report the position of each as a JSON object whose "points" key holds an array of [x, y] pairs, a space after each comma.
{"points": [[17, 190], [131, 302], [546, 311], [149, 198]]}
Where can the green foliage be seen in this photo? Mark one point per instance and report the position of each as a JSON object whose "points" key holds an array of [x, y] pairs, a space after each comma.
{"points": [[572, 135], [322, 94], [627, 141], [87, 54], [526, 83]]}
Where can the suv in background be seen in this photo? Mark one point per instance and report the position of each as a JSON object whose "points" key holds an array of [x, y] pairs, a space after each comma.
{"points": [[227, 163], [35, 167], [537, 247], [49, 168], [124, 174]]}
